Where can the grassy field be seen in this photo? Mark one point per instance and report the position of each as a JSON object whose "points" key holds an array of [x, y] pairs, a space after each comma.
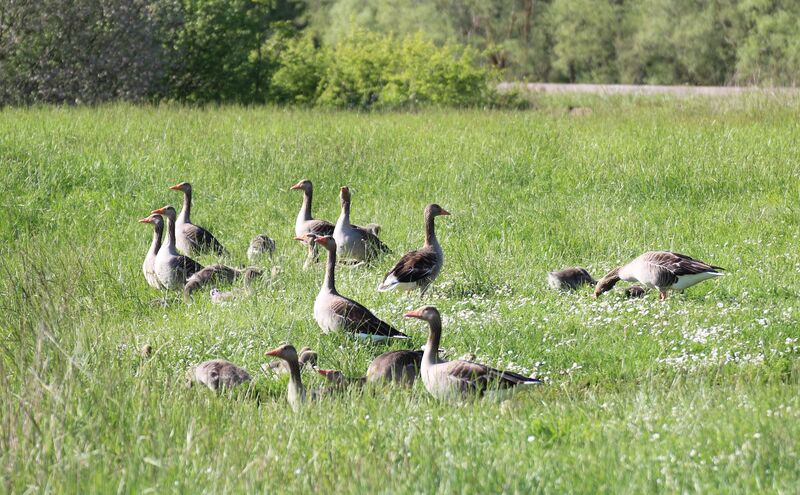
{"points": [[701, 393]]}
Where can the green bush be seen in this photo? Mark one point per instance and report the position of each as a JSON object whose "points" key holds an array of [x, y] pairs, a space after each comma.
{"points": [[370, 70]]}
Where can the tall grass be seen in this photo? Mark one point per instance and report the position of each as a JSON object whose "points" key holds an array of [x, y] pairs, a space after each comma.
{"points": [[696, 394]]}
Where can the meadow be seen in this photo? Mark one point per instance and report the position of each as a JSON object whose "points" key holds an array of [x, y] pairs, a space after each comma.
{"points": [[699, 393]]}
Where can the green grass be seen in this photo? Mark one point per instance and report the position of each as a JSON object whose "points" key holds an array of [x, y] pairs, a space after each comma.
{"points": [[701, 393]]}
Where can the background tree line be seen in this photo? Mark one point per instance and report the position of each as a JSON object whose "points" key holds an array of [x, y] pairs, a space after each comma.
{"points": [[381, 52]]}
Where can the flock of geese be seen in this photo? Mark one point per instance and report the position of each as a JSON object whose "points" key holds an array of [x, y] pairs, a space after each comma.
{"points": [[168, 266]]}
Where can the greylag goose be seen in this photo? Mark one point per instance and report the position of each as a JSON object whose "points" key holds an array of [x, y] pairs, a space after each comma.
{"points": [[172, 269], [395, 366], [305, 223], [307, 358], [148, 267], [333, 311], [217, 373], [417, 269], [259, 246], [193, 239], [454, 379], [355, 243], [310, 241], [569, 278], [219, 274], [663, 270], [296, 391]]}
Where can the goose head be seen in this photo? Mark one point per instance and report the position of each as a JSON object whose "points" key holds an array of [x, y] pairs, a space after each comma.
{"points": [[183, 186], [287, 352], [154, 219], [344, 194], [168, 211], [425, 313], [304, 184], [435, 210], [327, 242], [308, 238], [334, 376], [607, 282]]}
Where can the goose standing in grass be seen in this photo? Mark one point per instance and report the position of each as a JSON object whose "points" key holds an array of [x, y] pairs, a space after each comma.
{"points": [[217, 373], [662, 270], [333, 311], [353, 242], [193, 239], [306, 358], [172, 269], [296, 391], [310, 240], [417, 269], [455, 379], [259, 246], [569, 278], [305, 222], [148, 267]]}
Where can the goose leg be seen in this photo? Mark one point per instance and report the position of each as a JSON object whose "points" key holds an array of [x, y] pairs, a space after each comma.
{"points": [[662, 295]]}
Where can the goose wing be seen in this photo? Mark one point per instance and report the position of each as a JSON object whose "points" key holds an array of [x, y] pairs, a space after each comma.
{"points": [[479, 377], [414, 266], [359, 319], [202, 240], [320, 227]]}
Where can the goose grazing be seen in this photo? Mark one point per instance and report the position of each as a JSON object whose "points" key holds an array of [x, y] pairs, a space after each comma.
{"points": [[216, 374], [219, 274], [333, 311], [305, 223], [355, 243], [569, 278], [193, 239], [395, 366], [259, 246], [417, 269], [296, 392], [172, 269], [310, 240], [662, 270], [307, 358], [148, 267], [456, 379]]}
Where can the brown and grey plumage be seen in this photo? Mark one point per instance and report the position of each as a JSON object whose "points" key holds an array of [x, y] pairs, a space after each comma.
{"points": [[634, 292], [307, 358], [259, 246], [569, 278], [334, 312], [148, 267], [418, 268], [395, 366], [218, 274], [193, 239], [662, 270], [172, 269], [353, 242], [217, 373], [455, 379]]}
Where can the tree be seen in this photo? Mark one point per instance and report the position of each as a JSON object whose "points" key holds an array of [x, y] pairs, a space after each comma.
{"points": [[770, 51]]}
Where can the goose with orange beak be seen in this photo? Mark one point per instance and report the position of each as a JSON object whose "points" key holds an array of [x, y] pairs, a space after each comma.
{"points": [[193, 239], [305, 222], [296, 394], [172, 268], [148, 267], [459, 379], [418, 268], [355, 243], [334, 312]]}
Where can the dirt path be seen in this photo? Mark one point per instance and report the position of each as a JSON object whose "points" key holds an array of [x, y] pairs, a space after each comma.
{"points": [[631, 89]]}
